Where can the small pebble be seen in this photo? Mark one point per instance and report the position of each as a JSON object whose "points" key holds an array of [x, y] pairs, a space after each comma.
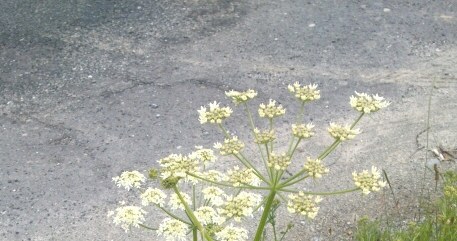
{"points": [[154, 106], [312, 25], [386, 10]]}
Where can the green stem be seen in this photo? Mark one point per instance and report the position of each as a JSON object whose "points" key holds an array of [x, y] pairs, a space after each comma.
{"points": [[147, 227], [329, 150], [248, 112], [194, 234], [357, 120], [271, 128], [297, 118], [172, 215], [295, 147], [244, 186], [293, 182], [274, 231], [322, 193], [191, 215], [251, 121], [224, 131], [266, 212], [269, 171], [248, 164]]}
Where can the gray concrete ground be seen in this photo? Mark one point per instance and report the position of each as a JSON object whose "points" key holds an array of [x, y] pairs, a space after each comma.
{"points": [[91, 88]]}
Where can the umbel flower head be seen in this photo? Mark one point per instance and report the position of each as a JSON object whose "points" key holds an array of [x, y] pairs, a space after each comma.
{"points": [[129, 179], [366, 104], [305, 93], [212, 175], [230, 146], [303, 204], [204, 155], [215, 114], [240, 206], [128, 216], [231, 233], [153, 195], [241, 97], [342, 133], [278, 161], [238, 177], [271, 110], [207, 215], [263, 137], [315, 168], [176, 165], [368, 181], [173, 230], [303, 131], [214, 195]]}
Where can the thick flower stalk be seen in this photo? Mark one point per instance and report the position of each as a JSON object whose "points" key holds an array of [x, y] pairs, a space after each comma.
{"points": [[305, 93], [303, 204], [128, 216], [129, 179], [215, 114], [271, 110], [369, 181], [367, 104], [341, 132], [241, 97]]}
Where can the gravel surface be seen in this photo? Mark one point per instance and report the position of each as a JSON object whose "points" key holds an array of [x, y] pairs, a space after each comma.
{"points": [[91, 88]]}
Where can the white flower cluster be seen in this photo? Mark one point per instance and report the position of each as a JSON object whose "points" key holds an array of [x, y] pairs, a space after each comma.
{"points": [[240, 206], [369, 181], [271, 110], [238, 177], [128, 216], [129, 179], [315, 168], [342, 133], [231, 233], [230, 146], [303, 204], [177, 165], [279, 161], [305, 93], [366, 104], [153, 195], [303, 131], [241, 97], [215, 114], [173, 230]]}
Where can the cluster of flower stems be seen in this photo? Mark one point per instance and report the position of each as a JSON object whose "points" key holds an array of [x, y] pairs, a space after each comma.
{"points": [[274, 182]]}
